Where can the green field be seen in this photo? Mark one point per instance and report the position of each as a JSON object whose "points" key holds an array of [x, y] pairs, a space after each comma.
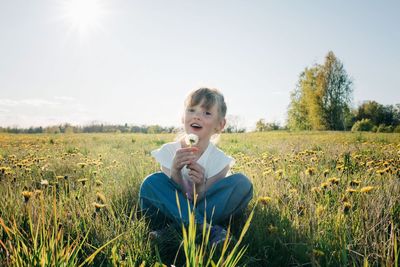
{"points": [[320, 199]]}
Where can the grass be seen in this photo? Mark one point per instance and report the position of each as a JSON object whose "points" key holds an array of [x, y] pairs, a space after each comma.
{"points": [[320, 199]]}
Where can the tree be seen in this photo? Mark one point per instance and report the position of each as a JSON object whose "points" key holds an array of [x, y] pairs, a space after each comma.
{"points": [[321, 99]]}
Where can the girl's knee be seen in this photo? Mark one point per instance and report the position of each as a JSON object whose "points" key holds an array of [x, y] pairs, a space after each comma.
{"points": [[241, 181], [152, 180]]}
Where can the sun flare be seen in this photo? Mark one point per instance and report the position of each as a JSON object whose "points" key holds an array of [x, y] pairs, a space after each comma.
{"points": [[83, 16]]}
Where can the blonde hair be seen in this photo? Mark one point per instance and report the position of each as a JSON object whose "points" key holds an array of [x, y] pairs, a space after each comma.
{"points": [[207, 97]]}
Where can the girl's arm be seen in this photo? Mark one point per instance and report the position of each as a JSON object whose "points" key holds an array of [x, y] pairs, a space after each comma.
{"points": [[176, 177]]}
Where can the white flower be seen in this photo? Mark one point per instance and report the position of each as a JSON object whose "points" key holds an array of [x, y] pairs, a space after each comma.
{"points": [[44, 182], [191, 139]]}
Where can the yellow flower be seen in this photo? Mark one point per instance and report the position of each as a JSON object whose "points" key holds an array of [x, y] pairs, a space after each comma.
{"points": [[351, 190], [310, 171], [27, 195], [326, 172], [98, 206], [367, 189], [334, 180], [99, 183], [264, 200], [100, 198]]}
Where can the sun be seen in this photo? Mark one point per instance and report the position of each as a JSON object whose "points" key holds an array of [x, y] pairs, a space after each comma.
{"points": [[83, 16]]}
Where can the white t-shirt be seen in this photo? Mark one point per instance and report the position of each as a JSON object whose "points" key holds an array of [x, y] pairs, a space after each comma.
{"points": [[213, 160]]}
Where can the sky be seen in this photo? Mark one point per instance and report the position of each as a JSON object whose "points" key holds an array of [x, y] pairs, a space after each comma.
{"points": [[120, 61]]}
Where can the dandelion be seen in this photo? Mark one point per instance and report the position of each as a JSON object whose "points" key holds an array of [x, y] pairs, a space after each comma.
{"points": [[264, 200], [27, 195], [191, 139], [324, 185], [279, 173], [100, 198], [81, 164], [367, 189], [310, 171], [350, 190], [98, 206], [334, 180]]}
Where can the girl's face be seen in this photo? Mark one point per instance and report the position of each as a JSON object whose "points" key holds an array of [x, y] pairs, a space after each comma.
{"points": [[202, 121]]}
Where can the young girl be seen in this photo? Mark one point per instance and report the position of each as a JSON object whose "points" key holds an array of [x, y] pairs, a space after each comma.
{"points": [[197, 167]]}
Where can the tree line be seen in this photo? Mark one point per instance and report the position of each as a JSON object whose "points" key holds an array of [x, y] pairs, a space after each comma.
{"points": [[93, 128], [321, 100]]}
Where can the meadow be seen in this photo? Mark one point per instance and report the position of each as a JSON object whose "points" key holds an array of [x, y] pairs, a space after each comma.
{"points": [[320, 199]]}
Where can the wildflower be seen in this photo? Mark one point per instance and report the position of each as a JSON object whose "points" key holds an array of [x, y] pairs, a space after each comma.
{"points": [[27, 195], [264, 200], [59, 177], [98, 206], [279, 172], [191, 139], [367, 189], [324, 185], [326, 172], [310, 171], [44, 182], [380, 172], [81, 164], [38, 192], [99, 183], [351, 190], [369, 163], [334, 180], [100, 198]]}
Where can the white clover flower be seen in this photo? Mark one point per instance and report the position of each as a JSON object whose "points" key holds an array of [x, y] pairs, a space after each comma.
{"points": [[191, 139]]}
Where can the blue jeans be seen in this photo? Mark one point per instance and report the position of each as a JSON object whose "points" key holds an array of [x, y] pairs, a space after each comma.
{"points": [[226, 197]]}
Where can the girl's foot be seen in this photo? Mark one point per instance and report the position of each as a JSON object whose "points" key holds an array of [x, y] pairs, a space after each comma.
{"points": [[217, 235]]}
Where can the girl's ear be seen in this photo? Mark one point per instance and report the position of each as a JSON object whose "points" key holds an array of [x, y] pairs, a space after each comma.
{"points": [[221, 125]]}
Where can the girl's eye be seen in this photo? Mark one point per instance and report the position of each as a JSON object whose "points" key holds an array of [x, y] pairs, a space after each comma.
{"points": [[207, 113], [190, 109]]}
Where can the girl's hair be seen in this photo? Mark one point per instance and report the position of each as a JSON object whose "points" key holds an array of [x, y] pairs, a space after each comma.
{"points": [[207, 97]]}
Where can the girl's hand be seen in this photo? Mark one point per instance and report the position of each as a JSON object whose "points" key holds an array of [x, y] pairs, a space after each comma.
{"points": [[196, 173], [183, 156]]}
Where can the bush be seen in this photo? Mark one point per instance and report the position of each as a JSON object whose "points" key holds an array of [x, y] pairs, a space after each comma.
{"points": [[385, 129], [397, 129], [362, 125]]}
